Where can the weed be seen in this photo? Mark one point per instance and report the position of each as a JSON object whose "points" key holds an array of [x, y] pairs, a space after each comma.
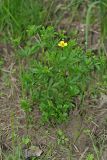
{"points": [[26, 140], [62, 139], [96, 150], [90, 157], [25, 105], [55, 73]]}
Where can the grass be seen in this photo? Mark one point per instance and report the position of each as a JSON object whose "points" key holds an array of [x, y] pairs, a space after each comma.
{"points": [[14, 19], [101, 7]]}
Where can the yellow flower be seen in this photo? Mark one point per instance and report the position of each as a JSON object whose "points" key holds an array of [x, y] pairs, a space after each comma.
{"points": [[62, 44]]}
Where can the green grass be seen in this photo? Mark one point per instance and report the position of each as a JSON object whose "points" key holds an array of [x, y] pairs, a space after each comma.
{"points": [[16, 15]]}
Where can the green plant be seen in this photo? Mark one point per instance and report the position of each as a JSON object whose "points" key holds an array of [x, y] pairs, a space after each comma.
{"points": [[90, 157], [16, 155], [26, 140], [55, 74], [97, 152], [16, 152], [62, 139], [26, 106]]}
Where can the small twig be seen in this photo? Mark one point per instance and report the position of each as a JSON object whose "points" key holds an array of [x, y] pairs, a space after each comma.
{"points": [[95, 124], [7, 71], [77, 150], [82, 155]]}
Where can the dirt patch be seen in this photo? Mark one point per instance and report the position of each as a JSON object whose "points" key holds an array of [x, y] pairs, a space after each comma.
{"points": [[10, 112]]}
